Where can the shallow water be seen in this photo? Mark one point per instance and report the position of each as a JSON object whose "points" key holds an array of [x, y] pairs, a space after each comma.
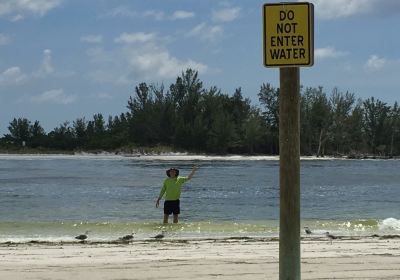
{"points": [[57, 197]]}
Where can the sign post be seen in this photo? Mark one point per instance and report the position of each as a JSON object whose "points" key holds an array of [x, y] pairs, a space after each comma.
{"points": [[288, 44], [289, 174]]}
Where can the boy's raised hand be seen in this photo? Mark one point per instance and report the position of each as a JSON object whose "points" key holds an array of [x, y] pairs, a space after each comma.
{"points": [[194, 168]]}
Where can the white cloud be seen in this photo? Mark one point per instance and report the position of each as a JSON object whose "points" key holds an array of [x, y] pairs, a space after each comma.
{"points": [[120, 11], [328, 52], [17, 17], [137, 58], [160, 15], [206, 33], [93, 39], [182, 15], [4, 39], [123, 11], [138, 37], [333, 9], [17, 8], [157, 15], [160, 63], [340, 8], [226, 14], [375, 63], [12, 76], [56, 96], [46, 67]]}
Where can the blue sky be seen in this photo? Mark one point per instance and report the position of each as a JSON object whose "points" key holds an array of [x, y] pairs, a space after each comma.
{"points": [[65, 59]]}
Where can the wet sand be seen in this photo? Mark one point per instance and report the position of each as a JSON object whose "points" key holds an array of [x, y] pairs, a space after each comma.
{"points": [[243, 258]]}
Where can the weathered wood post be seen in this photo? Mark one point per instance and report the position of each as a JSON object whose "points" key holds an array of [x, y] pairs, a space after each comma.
{"points": [[289, 173]]}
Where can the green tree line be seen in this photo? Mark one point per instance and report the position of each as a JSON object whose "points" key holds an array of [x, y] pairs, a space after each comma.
{"points": [[187, 116]]}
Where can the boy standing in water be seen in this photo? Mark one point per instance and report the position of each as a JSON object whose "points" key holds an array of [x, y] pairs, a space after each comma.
{"points": [[172, 190]]}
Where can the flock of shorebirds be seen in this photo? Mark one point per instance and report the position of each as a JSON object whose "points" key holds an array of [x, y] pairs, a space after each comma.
{"points": [[129, 237], [125, 238]]}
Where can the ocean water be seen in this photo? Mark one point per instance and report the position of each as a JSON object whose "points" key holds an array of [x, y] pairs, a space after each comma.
{"points": [[54, 198]]}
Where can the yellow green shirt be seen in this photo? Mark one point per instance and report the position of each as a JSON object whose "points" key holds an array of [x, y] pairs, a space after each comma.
{"points": [[172, 187]]}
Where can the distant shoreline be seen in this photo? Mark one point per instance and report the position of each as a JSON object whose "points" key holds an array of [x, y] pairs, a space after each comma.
{"points": [[177, 156]]}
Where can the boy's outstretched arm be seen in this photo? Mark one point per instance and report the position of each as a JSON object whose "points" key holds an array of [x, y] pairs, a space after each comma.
{"points": [[194, 169]]}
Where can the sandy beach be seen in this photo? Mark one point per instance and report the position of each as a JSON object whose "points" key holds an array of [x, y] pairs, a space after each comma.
{"points": [[252, 258]]}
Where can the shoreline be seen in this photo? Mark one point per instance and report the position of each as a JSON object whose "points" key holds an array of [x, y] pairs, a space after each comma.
{"points": [[252, 259], [166, 150], [175, 156], [182, 240]]}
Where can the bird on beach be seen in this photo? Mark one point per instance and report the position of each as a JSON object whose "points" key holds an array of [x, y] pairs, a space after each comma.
{"points": [[127, 237], [160, 235], [330, 236], [307, 230], [82, 237]]}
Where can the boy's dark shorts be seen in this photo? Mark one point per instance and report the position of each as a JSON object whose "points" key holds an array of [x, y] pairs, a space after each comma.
{"points": [[172, 207]]}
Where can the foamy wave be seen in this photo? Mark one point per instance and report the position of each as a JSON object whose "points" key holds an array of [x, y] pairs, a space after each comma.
{"points": [[390, 224]]}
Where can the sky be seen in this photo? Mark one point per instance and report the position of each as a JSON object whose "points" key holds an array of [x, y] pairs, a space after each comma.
{"points": [[66, 59]]}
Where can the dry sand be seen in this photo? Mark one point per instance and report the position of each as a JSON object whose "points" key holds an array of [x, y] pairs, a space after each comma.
{"points": [[357, 258]]}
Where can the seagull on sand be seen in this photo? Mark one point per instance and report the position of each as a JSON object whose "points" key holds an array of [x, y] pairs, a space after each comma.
{"points": [[160, 235], [307, 230], [82, 237], [330, 236], [127, 237]]}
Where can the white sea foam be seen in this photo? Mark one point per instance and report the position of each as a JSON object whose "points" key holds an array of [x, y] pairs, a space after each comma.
{"points": [[390, 224]]}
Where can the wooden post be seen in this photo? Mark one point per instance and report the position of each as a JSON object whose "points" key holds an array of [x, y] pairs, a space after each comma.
{"points": [[289, 173]]}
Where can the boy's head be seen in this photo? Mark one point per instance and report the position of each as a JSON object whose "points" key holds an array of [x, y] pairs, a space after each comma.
{"points": [[172, 172]]}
